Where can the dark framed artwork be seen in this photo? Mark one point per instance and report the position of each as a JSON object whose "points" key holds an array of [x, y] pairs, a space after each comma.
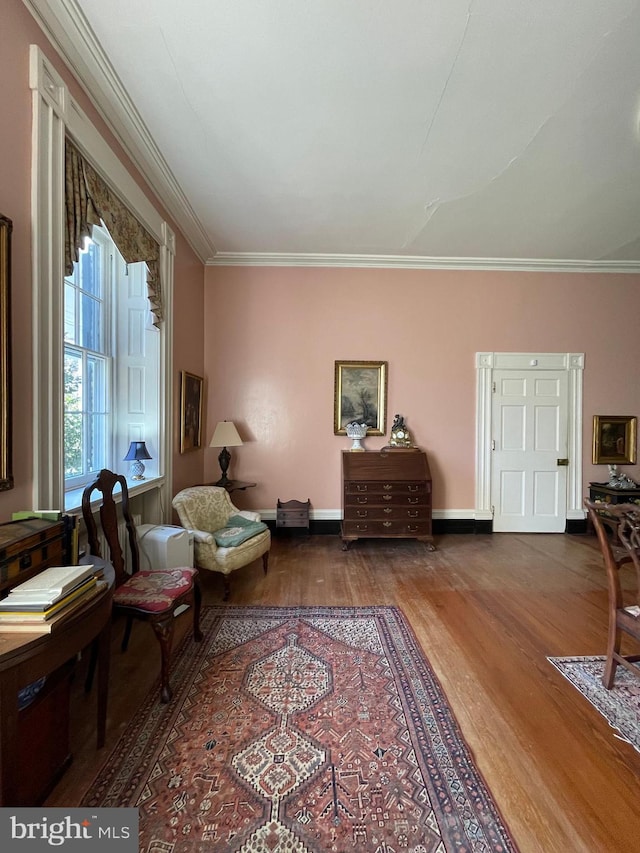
{"points": [[190, 411], [6, 471], [614, 439], [360, 394]]}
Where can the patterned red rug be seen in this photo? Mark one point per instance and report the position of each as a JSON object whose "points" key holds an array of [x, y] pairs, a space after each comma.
{"points": [[301, 730]]}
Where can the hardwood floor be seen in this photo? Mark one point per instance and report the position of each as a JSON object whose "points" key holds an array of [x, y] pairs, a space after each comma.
{"points": [[487, 610]]}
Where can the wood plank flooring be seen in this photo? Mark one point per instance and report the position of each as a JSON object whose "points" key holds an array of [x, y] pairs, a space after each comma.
{"points": [[487, 610]]}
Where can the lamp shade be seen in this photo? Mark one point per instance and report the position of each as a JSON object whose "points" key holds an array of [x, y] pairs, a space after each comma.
{"points": [[225, 435], [137, 450]]}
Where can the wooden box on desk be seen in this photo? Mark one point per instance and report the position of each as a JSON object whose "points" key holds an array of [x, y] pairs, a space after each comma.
{"points": [[27, 547]]}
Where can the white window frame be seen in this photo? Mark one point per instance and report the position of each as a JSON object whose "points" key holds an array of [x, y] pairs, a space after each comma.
{"points": [[106, 352], [56, 114]]}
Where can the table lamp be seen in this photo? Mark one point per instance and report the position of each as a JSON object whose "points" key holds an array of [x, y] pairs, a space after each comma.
{"points": [[136, 453], [225, 435]]}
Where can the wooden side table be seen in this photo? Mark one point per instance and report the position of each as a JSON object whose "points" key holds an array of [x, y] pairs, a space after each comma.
{"points": [[233, 485], [293, 514], [605, 494]]}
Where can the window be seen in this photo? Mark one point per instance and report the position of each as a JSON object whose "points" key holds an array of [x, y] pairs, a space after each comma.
{"points": [[87, 363], [111, 364], [138, 397]]}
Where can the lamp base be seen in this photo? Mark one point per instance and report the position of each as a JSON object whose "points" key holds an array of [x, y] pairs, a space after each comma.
{"points": [[136, 471], [224, 457]]}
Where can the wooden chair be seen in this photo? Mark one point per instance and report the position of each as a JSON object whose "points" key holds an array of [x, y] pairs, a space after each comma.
{"points": [[153, 595], [624, 605]]}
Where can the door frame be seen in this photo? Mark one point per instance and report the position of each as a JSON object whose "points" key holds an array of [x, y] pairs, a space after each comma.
{"points": [[486, 363]]}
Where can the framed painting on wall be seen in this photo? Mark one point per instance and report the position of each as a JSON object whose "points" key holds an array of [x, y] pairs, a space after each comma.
{"points": [[6, 474], [614, 439], [360, 394], [190, 411]]}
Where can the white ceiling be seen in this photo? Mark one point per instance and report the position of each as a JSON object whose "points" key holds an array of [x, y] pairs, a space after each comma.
{"points": [[441, 129]]}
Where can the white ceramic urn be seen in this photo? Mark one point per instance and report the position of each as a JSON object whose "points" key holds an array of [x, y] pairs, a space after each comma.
{"points": [[356, 432]]}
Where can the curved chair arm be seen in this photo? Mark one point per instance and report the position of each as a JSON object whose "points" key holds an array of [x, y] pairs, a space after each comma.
{"points": [[248, 514], [203, 536]]}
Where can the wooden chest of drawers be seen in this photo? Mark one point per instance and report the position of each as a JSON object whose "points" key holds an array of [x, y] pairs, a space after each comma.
{"points": [[386, 494]]}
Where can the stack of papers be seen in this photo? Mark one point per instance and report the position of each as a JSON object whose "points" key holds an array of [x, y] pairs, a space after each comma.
{"points": [[34, 603]]}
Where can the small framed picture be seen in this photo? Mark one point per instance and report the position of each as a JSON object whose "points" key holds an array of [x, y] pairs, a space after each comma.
{"points": [[190, 411], [360, 394], [614, 439]]}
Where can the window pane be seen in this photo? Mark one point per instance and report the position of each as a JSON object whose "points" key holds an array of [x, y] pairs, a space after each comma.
{"points": [[96, 392], [72, 380], [69, 312], [72, 444], [96, 442], [91, 323], [89, 261], [96, 408]]}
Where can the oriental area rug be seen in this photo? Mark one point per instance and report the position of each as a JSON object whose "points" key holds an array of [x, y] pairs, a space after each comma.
{"points": [[620, 706], [301, 730]]}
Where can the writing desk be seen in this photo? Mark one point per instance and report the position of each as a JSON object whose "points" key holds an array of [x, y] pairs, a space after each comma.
{"points": [[24, 658]]}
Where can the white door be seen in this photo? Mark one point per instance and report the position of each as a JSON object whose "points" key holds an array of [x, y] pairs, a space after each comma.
{"points": [[529, 473]]}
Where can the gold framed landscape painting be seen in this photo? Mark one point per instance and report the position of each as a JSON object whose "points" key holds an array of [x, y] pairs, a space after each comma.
{"points": [[190, 411], [360, 394], [614, 439]]}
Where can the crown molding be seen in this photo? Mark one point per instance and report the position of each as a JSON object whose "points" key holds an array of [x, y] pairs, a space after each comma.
{"points": [[417, 262], [67, 29]]}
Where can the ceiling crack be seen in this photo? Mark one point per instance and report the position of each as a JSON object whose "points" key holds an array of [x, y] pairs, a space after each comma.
{"points": [[449, 75]]}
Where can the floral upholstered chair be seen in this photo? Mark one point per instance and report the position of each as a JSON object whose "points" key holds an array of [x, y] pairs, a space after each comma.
{"points": [[225, 538]]}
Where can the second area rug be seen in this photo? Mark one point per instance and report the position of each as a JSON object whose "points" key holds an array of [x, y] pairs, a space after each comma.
{"points": [[301, 729], [620, 706]]}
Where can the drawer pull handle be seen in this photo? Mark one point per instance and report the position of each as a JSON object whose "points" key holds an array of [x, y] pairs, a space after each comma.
{"points": [[363, 513], [387, 509], [387, 497], [412, 528], [362, 526], [413, 488], [360, 488], [362, 500], [387, 523], [412, 514], [414, 500], [387, 487]]}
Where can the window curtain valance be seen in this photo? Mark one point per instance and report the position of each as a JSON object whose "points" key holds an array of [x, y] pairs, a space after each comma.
{"points": [[88, 202]]}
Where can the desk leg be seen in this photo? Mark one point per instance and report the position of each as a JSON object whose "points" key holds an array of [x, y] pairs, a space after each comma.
{"points": [[104, 655]]}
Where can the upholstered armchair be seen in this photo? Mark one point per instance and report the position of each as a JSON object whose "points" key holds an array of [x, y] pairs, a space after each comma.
{"points": [[225, 538]]}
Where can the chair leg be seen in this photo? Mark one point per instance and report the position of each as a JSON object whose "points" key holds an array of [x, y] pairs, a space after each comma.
{"points": [[163, 629], [265, 561], [613, 649], [197, 604]]}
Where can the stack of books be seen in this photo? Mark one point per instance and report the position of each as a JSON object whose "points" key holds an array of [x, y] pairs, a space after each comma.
{"points": [[48, 599]]}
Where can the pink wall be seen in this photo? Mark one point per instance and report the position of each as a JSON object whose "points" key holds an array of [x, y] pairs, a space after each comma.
{"points": [[273, 335], [269, 338], [17, 31]]}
